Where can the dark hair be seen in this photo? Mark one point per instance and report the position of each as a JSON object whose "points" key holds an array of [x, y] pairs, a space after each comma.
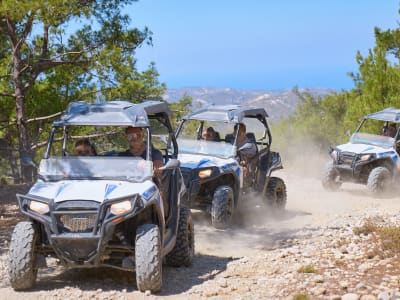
{"points": [[86, 142], [129, 127], [210, 130], [241, 125]]}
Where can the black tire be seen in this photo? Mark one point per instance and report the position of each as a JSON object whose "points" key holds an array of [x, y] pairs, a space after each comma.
{"points": [[275, 194], [379, 180], [222, 207], [148, 258], [183, 251], [22, 271], [329, 178]]}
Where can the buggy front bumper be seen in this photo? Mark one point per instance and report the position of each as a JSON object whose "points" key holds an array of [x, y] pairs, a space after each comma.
{"points": [[79, 235]]}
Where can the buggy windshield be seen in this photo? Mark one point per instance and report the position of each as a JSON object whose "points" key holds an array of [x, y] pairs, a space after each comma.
{"points": [[112, 168], [219, 149], [372, 139]]}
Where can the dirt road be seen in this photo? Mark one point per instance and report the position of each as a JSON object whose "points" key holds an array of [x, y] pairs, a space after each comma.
{"points": [[259, 258]]}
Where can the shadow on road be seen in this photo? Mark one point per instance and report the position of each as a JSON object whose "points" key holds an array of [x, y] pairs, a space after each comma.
{"points": [[175, 280]]}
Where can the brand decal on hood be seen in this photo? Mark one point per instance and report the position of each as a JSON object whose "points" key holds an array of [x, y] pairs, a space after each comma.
{"points": [[368, 149], [60, 189], [109, 189]]}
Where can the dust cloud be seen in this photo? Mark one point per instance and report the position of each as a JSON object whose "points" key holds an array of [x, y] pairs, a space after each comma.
{"points": [[309, 207]]}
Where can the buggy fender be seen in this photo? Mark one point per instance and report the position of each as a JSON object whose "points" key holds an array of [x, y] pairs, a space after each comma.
{"points": [[275, 163]]}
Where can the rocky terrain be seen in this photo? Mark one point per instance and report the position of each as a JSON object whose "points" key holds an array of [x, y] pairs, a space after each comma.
{"points": [[319, 248]]}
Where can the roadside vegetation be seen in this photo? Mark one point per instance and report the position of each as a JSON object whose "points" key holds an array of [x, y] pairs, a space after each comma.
{"points": [[84, 52], [325, 121], [45, 63], [385, 238]]}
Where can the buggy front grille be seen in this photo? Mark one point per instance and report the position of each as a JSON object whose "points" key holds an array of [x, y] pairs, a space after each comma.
{"points": [[347, 157], [78, 222]]}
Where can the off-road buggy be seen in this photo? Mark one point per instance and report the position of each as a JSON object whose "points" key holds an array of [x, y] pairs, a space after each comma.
{"points": [[214, 178], [105, 210], [371, 156]]}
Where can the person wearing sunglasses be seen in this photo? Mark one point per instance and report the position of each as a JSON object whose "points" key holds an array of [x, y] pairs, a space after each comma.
{"points": [[137, 146]]}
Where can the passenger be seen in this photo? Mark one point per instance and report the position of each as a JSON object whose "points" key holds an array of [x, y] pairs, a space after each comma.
{"points": [[389, 130], [242, 140], [137, 147], [83, 147], [247, 155], [210, 135]]}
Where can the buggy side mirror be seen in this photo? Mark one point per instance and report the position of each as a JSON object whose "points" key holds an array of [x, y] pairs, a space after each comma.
{"points": [[27, 161], [171, 164]]}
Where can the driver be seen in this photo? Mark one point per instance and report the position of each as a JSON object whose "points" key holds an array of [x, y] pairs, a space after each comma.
{"points": [[137, 147]]}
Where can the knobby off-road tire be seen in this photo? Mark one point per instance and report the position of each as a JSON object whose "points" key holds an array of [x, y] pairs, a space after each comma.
{"points": [[21, 262], [183, 251], [148, 258], [275, 194], [329, 176], [222, 207], [379, 181]]}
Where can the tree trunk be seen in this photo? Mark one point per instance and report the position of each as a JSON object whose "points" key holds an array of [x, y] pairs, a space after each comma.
{"points": [[23, 137]]}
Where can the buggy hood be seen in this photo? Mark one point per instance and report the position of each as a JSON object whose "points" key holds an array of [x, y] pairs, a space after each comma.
{"points": [[193, 161], [364, 149], [94, 190]]}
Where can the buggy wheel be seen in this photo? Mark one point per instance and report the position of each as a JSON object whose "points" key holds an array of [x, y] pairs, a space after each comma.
{"points": [[379, 180], [148, 259], [275, 193], [183, 251], [330, 178], [21, 262], [222, 207]]}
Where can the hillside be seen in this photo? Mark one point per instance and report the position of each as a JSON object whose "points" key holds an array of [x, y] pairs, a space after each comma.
{"points": [[278, 103]]}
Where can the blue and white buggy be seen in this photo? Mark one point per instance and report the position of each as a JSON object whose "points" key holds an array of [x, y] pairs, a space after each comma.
{"points": [[104, 210], [215, 180], [371, 156]]}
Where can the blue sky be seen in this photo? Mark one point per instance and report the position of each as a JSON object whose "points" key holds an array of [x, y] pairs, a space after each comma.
{"points": [[258, 44]]}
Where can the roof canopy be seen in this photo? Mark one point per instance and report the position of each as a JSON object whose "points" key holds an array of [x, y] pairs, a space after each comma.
{"points": [[390, 114], [227, 113], [112, 113]]}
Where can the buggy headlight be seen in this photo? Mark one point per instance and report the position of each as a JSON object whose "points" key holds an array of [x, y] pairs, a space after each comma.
{"points": [[366, 157], [39, 207], [121, 207], [205, 173], [334, 154]]}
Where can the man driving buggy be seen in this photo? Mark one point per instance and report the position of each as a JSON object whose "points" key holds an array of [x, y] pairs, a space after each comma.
{"points": [[137, 147]]}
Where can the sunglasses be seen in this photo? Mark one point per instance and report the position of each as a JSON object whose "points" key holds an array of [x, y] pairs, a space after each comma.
{"points": [[134, 136]]}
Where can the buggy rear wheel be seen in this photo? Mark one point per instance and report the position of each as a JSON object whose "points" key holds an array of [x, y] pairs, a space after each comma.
{"points": [[275, 194], [183, 251]]}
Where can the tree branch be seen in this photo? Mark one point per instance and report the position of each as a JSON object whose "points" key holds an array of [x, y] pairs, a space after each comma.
{"points": [[27, 30], [7, 94], [45, 117]]}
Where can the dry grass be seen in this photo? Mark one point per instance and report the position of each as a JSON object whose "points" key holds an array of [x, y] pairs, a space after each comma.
{"points": [[367, 228], [307, 269], [300, 297], [390, 239], [386, 238]]}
